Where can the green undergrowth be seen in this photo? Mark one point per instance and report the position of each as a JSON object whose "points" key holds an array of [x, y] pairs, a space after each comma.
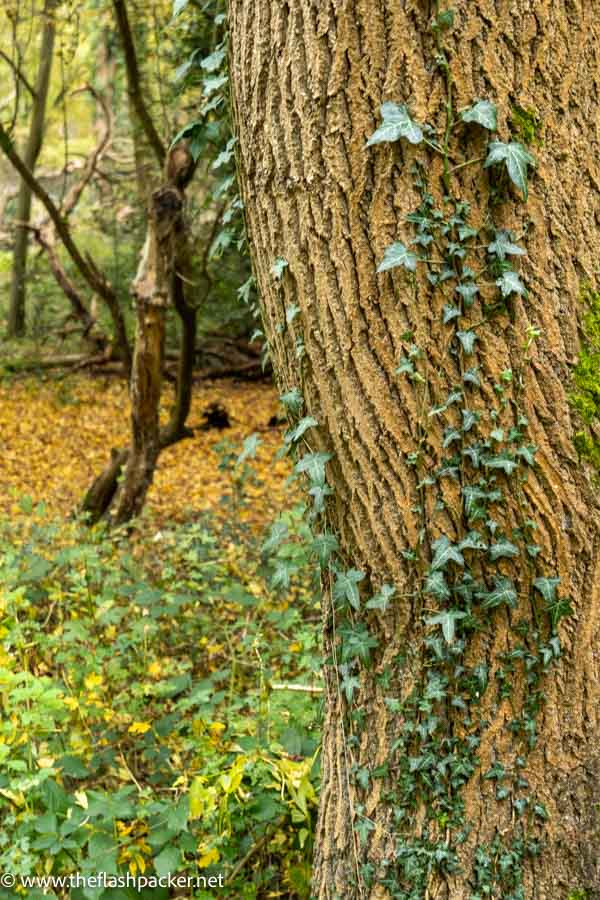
{"points": [[585, 396], [148, 721]]}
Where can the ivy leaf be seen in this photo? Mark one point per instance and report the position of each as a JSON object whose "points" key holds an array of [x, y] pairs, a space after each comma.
{"points": [[468, 292], [483, 113], [212, 62], [293, 400], [465, 232], [357, 642], [453, 397], [547, 588], [291, 313], [502, 592], [504, 461], [323, 546], [350, 684], [406, 367], [397, 123], [474, 454], [345, 587], [281, 577], [313, 464], [319, 492], [381, 599], [179, 6], [471, 377], [444, 552], [435, 584], [467, 340], [278, 532], [502, 245], [249, 448], [451, 435], [469, 418], [510, 283], [398, 255], [528, 454], [472, 541], [516, 159], [447, 620], [450, 312], [296, 433], [503, 549], [278, 267]]}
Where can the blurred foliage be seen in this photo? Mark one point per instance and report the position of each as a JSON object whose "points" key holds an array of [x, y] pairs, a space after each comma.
{"points": [[141, 730]]}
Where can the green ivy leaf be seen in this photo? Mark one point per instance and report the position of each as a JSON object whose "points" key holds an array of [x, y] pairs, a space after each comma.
{"points": [[278, 267], [468, 292], [324, 545], [398, 255], [516, 159], [467, 340], [279, 531], [504, 461], [249, 448], [345, 588], [357, 642], [382, 598], [503, 592], [503, 549], [528, 454], [450, 436], [293, 401], [319, 493], [510, 283], [503, 246], [313, 464], [451, 312], [447, 620], [435, 584], [296, 433], [444, 552], [547, 588], [472, 541], [471, 377], [469, 418], [406, 367], [397, 123], [483, 113]]}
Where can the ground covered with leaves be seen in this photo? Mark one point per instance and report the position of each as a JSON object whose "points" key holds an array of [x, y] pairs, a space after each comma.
{"points": [[151, 716]]}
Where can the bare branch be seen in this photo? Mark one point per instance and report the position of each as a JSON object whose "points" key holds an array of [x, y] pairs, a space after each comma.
{"points": [[18, 73], [134, 84]]}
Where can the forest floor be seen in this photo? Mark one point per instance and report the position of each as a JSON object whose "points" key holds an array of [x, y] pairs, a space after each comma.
{"points": [[160, 690], [56, 436]]}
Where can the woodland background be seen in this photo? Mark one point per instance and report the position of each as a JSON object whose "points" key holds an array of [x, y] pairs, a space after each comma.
{"points": [[159, 684]]}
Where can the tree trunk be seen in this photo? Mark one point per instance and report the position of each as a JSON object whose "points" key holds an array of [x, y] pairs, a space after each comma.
{"points": [[443, 753], [16, 313]]}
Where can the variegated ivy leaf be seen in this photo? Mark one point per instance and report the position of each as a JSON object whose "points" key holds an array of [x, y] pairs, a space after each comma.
{"points": [[547, 588], [313, 464], [397, 123], [516, 159], [450, 312], [323, 546], [472, 541], [345, 587], [468, 292], [504, 461], [398, 255], [406, 367], [469, 418], [293, 400], [483, 113], [278, 267], [471, 377]]}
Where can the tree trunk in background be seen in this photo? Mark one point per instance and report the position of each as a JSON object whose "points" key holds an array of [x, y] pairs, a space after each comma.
{"points": [[16, 313], [307, 81]]}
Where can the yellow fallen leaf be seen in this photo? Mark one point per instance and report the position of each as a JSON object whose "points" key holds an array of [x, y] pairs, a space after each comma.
{"points": [[139, 728]]}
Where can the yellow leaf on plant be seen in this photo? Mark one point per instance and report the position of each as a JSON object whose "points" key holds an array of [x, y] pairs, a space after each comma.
{"points": [[139, 728], [71, 702], [295, 647], [45, 762], [93, 680], [208, 857], [216, 728], [155, 669]]}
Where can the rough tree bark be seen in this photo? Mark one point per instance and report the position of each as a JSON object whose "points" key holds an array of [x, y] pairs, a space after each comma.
{"points": [[308, 78], [16, 312]]}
